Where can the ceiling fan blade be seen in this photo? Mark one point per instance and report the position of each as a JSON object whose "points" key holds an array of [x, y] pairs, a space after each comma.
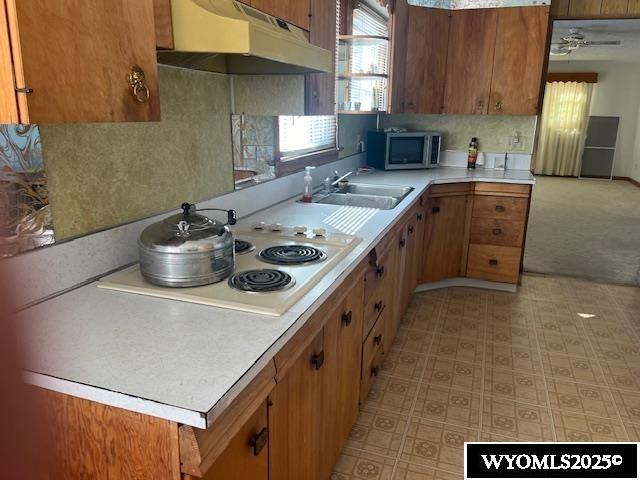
{"points": [[602, 42]]}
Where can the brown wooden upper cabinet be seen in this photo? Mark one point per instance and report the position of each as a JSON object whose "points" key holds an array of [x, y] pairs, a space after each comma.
{"points": [[472, 41], [47, 75], [426, 60], [293, 11], [581, 9], [320, 87], [519, 61]]}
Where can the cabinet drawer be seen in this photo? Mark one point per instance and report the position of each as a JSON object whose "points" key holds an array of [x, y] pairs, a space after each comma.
{"points": [[373, 309], [493, 231], [372, 356], [493, 263], [506, 208], [377, 273]]}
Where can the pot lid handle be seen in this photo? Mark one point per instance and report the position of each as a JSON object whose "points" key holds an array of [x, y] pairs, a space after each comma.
{"points": [[231, 217], [186, 209]]}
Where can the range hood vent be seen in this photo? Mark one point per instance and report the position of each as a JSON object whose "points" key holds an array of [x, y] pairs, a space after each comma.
{"points": [[229, 37]]}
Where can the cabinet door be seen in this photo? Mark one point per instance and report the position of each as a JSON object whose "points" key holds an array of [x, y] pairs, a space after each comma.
{"points": [[341, 389], [247, 456], [520, 59], [426, 64], [163, 23], [295, 420], [402, 275], [472, 42], [84, 81], [444, 237], [579, 8], [399, 22], [418, 251], [293, 11], [320, 88], [409, 267]]}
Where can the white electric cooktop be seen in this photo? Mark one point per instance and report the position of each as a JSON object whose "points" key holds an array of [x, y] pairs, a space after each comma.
{"points": [[319, 250]]}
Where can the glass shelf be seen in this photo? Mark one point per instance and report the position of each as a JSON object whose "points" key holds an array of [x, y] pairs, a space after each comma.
{"points": [[362, 94]]}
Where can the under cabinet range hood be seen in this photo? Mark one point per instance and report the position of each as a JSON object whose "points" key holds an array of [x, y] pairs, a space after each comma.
{"points": [[230, 37]]}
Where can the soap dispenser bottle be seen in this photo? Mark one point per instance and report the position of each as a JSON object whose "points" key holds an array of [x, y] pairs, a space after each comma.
{"points": [[307, 196]]}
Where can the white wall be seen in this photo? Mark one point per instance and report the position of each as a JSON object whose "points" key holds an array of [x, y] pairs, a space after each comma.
{"points": [[617, 93]]}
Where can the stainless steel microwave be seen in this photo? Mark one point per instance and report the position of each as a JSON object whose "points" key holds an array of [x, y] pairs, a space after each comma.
{"points": [[403, 150]]}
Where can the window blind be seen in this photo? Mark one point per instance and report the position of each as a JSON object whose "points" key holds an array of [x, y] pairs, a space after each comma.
{"points": [[300, 135]]}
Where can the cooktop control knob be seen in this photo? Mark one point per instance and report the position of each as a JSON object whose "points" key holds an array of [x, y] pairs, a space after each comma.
{"points": [[258, 226], [319, 232], [300, 230], [275, 227]]}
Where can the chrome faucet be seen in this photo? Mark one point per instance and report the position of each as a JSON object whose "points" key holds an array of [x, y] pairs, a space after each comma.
{"points": [[335, 182]]}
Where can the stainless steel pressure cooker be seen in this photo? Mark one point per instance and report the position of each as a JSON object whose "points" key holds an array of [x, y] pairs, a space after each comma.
{"points": [[187, 249]]}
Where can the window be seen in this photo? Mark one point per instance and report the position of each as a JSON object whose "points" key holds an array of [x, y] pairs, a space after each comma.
{"points": [[301, 135]]}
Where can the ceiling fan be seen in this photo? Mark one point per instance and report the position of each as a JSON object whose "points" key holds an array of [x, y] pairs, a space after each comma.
{"points": [[576, 40]]}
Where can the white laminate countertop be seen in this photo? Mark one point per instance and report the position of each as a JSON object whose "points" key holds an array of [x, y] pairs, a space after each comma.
{"points": [[186, 362]]}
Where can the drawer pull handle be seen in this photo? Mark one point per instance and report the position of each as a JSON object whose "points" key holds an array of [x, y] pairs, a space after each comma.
{"points": [[347, 317], [378, 306], [419, 217], [493, 261], [411, 230], [377, 339], [497, 231], [318, 360], [138, 83], [380, 271], [500, 208], [259, 441], [403, 242], [435, 210], [375, 371]]}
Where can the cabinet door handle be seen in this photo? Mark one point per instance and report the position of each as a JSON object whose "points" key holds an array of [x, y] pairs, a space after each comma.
{"points": [[259, 441], [380, 271], [318, 360], [347, 317], [435, 210], [378, 306], [497, 231], [138, 83], [375, 371], [403, 242], [419, 217], [493, 261], [377, 339], [411, 230], [499, 105], [500, 208]]}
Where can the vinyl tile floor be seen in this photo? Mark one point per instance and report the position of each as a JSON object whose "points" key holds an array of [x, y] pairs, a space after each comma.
{"points": [[557, 361]]}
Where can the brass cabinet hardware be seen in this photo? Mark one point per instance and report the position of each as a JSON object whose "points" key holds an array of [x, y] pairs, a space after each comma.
{"points": [[138, 83], [499, 105]]}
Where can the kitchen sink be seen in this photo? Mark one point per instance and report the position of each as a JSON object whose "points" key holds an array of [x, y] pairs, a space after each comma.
{"points": [[382, 197], [379, 190]]}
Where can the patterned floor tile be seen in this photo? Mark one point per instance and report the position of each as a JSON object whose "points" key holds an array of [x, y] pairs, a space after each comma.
{"points": [[411, 471], [617, 353], [516, 420], [448, 406], [412, 340], [628, 404], [513, 357], [622, 376], [452, 374], [561, 344], [518, 386], [401, 364], [467, 294], [436, 445], [559, 324], [393, 394], [462, 327], [633, 430], [581, 398], [377, 431], [456, 348], [421, 318], [516, 336], [573, 427], [562, 367], [357, 465], [507, 317]]}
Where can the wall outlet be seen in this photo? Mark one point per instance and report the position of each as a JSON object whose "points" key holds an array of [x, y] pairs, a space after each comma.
{"points": [[516, 142]]}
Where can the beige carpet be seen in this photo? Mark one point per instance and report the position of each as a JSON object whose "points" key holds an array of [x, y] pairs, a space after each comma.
{"points": [[585, 228]]}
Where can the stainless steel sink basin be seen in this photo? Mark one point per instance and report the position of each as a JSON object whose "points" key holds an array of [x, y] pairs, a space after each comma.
{"points": [[380, 190], [383, 197]]}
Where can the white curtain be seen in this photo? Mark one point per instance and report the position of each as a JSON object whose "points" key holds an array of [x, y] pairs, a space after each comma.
{"points": [[563, 127]]}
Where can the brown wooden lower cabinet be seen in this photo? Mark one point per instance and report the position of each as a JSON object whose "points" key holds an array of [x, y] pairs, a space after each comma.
{"points": [[494, 263]]}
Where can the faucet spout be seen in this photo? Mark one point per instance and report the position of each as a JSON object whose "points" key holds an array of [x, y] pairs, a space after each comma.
{"points": [[335, 182]]}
